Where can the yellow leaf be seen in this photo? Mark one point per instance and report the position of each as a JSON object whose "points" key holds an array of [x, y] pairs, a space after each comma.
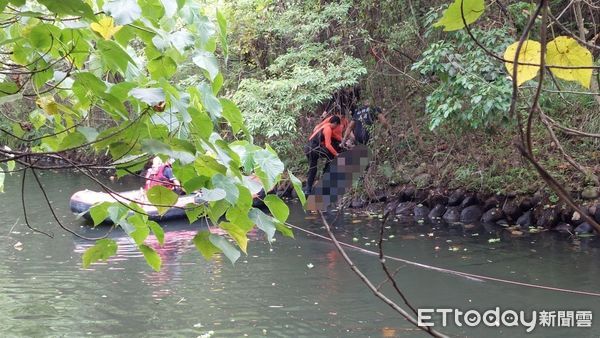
{"points": [[105, 27], [48, 104], [530, 52], [565, 51]]}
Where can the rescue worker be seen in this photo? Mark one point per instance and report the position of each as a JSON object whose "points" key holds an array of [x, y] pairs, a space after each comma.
{"points": [[320, 145]]}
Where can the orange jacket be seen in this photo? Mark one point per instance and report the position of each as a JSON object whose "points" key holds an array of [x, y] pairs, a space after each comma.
{"points": [[327, 135], [338, 132]]}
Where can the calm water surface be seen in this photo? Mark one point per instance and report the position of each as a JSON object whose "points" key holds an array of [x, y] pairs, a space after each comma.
{"points": [[292, 288]]}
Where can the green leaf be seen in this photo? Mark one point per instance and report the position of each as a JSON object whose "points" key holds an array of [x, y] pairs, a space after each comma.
{"points": [[452, 18], [194, 212], [158, 231], [114, 56], [141, 230], [245, 200], [269, 167], [37, 119], [162, 67], [212, 195], [217, 210], [229, 250], [210, 101], [170, 7], [10, 98], [223, 33], [117, 212], [284, 229], [208, 62], [72, 140], [2, 177], [102, 250], [297, 184], [90, 133], [181, 40], [123, 11], [264, 222], [204, 245], [239, 217], [228, 185], [217, 84], [162, 198], [151, 96], [277, 207], [201, 123], [69, 7], [237, 233], [10, 165], [232, 114], [99, 212], [152, 258], [41, 35]]}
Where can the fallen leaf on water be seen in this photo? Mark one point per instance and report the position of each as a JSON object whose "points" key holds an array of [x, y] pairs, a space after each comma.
{"points": [[493, 240], [310, 265]]}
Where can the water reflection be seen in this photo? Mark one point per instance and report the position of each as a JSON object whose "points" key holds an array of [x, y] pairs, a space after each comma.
{"points": [[272, 291]]}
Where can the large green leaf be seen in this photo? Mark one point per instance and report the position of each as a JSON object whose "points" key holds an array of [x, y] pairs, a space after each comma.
{"points": [[69, 7], [141, 229], [170, 7], [237, 233], [162, 67], [123, 11], [102, 250], [99, 212], [264, 222], [114, 56], [277, 207], [223, 33], [151, 96], [162, 198], [211, 195], [233, 115], [210, 101], [152, 258], [208, 62], [204, 245], [229, 250], [284, 229], [228, 184], [239, 217], [297, 184], [269, 167], [158, 231]]}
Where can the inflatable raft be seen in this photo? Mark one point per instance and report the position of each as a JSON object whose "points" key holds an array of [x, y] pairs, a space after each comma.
{"points": [[83, 200]]}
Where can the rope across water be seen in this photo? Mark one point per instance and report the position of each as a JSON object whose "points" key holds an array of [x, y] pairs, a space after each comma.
{"points": [[454, 272]]}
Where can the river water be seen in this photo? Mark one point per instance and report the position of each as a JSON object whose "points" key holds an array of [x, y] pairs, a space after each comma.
{"points": [[292, 288]]}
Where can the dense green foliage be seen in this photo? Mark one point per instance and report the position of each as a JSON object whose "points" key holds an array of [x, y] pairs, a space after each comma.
{"points": [[472, 90], [118, 59], [291, 59]]}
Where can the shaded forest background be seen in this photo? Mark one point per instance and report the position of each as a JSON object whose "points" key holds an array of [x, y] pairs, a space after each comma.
{"points": [[445, 98]]}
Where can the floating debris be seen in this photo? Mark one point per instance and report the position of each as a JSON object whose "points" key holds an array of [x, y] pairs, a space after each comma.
{"points": [[493, 240]]}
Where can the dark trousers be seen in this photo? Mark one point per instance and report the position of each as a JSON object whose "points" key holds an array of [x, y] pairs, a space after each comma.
{"points": [[313, 154]]}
